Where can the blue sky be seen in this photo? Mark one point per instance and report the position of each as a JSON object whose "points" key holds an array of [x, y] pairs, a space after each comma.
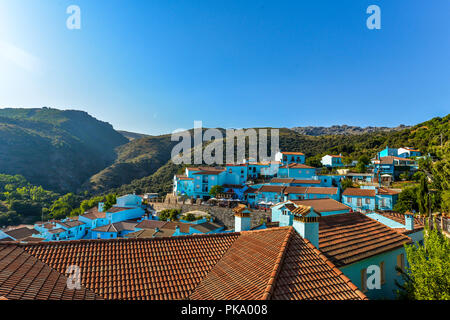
{"points": [[156, 66]]}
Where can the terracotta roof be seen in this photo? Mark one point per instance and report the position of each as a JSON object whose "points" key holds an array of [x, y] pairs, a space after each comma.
{"points": [[359, 192], [302, 211], [271, 263], [288, 268], [151, 224], [390, 160], [290, 190], [266, 188], [24, 277], [21, 233], [321, 190], [314, 277], [323, 205], [240, 207], [349, 237], [93, 214]]}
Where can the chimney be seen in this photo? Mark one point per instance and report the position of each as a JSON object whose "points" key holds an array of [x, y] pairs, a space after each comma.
{"points": [[409, 221], [101, 206], [242, 218], [306, 223]]}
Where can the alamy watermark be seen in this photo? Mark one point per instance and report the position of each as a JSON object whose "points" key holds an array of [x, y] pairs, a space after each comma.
{"points": [[73, 277], [374, 20], [73, 22]]}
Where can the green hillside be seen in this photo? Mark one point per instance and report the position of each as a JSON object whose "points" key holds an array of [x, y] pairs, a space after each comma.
{"points": [[53, 148]]}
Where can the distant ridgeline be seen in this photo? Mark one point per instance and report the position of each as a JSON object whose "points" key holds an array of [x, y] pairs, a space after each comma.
{"points": [[70, 151]]}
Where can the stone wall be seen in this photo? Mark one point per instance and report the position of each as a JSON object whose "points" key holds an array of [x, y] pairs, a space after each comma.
{"points": [[221, 215]]}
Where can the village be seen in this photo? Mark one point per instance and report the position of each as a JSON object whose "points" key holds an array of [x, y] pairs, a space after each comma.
{"points": [[349, 229]]}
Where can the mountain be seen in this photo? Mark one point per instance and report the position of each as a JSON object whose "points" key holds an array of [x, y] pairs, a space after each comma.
{"points": [[132, 135], [344, 129], [136, 159], [58, 149]]}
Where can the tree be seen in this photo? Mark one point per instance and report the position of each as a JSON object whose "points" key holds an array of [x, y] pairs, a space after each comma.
{"points": [[346, 183], [422, 196], [215, 190], [169, 214], [407, 200], [427, 276]]}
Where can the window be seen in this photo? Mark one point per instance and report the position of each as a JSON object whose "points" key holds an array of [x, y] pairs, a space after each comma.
{"points": [[401, 262], [359, 202], [383, 279], [364, 280], [367, 201]]}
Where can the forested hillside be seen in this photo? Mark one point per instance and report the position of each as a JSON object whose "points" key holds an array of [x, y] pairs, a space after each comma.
{"points": [[53, 148]]}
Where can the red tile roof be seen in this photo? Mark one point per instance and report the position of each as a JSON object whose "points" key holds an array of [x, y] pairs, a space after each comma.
{"points": [[357, 192], [24, 277], [349, 237], [267, 188], [282, 180], [323, 205], [295, 190], [271, 263]]}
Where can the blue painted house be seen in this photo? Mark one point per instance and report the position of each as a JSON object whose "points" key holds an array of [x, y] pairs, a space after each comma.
{"points": [[332, 161], [297, 171], [290, 157], [368, 198]]}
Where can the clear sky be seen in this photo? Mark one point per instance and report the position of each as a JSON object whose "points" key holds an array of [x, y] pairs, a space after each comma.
{"points": [[155, 66]]}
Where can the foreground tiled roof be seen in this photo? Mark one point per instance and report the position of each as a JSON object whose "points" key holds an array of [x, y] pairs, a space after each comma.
{"points": [[271, 263], [350, 237], [24, 277]]}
